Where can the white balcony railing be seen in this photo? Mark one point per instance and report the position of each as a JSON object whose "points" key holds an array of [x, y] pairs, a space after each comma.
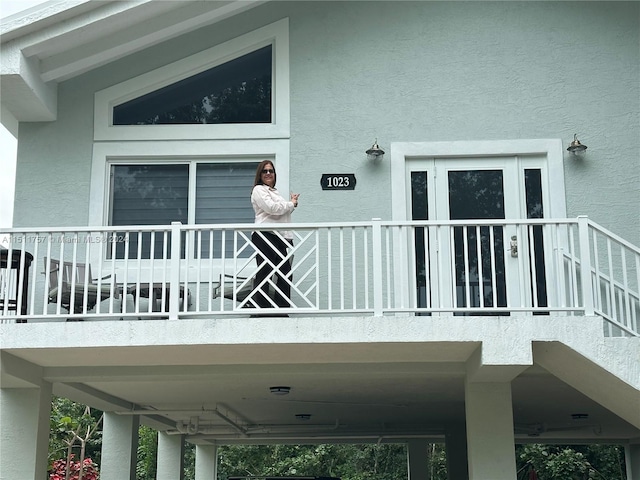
{"points": [[479, 267]]}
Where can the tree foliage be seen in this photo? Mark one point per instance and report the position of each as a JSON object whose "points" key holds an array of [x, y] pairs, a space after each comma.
{"points": [[349, 462], [73, 427], [577, 462], [146, 464]]}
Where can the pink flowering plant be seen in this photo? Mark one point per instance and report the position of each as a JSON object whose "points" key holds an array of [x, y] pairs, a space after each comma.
{"points": [[87, 468]]}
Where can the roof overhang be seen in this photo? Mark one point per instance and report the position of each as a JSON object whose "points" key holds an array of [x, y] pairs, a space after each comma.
{"points": [[60, 40]]}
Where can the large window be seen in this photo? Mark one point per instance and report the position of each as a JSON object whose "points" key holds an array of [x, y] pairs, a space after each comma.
{"points": [[161, 193], [238, 91], [235, 90]]}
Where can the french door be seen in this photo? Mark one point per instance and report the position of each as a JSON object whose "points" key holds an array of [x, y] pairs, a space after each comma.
{"points": [[471, 261]]}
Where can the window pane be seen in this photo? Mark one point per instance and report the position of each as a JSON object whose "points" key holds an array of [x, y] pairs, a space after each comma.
{"points": [[420, 211], [238, 91], [223, 195], [148, 195], [478, 194], [535, 209]]}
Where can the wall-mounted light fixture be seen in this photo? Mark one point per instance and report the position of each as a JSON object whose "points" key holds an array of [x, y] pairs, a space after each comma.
{"points": [[375, 151], [576, 146]]}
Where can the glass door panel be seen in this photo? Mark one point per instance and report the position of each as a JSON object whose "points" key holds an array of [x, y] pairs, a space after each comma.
{"points": [[469, 267], [420, 211], [479, 262]]}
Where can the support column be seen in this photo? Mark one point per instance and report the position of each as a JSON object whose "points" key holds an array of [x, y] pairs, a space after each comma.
{"points": [[632, 459], [170, 457], [456, 448], [24, 436], [206, 462], [417, 456], [490, 438], [119, 446]]}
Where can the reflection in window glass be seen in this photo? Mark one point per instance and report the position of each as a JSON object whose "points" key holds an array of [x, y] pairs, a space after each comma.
{"points": [[223, 192], [158, 194], [148, 195], [478, 194], [533, 194], [420, 211], [238, 91]]}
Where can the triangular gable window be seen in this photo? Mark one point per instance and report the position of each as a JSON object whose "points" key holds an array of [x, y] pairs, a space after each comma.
{"points": [[238, 91], [235, 90]]}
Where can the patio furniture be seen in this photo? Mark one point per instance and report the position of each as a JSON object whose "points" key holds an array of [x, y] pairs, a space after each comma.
{"points": [[73, 292], [154, 292], [10, 277], [226, 288]]}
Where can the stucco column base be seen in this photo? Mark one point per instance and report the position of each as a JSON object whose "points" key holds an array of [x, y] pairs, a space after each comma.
{"points": [[24, 423], [170, 457], [456, 448], [119, 447], [206, 462], [490, 438], [418, 467]]}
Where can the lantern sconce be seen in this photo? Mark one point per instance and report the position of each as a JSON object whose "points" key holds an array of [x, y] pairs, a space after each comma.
{"points": [[375, 152], [576, 147]]}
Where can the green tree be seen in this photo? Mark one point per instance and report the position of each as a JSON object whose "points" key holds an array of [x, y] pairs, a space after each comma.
{"points": [[74, 427], [146, 464], [566, 462], [349, 462]]}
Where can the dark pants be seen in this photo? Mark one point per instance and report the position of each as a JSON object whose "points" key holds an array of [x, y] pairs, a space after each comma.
{"points": [[274, 248]]}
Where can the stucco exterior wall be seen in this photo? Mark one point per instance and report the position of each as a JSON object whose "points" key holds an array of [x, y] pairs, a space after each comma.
{"points": [[400, 71]]}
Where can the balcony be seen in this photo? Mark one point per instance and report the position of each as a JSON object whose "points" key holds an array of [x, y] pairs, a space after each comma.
{"points": [[567, 267]]}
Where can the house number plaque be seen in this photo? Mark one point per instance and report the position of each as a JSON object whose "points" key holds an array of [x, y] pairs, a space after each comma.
{"points": [[338, 181]]}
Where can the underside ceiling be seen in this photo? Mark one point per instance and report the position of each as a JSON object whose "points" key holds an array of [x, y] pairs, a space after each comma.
{"points": [[337, 393]]}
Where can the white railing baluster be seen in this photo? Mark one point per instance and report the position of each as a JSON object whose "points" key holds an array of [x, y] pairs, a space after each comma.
{"points": [[494, 283], [354, 278], [365, 256], [532, 262], [376, 239], [480, 270], [34, 275], [174, 281], [465, 253], [523, 280], [585, 266], [341, 236], [597, 272], [612, 287], [412, 263]]}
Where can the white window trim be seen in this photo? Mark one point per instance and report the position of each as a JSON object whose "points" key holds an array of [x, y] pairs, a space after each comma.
{"points": [[402, 152], [106, 154], [276, 34]]}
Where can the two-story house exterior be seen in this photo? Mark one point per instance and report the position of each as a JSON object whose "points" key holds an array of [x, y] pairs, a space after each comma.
{"points": [[465, 271]]}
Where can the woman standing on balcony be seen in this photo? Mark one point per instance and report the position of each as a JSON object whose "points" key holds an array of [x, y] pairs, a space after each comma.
{"points": [[270, 207]]}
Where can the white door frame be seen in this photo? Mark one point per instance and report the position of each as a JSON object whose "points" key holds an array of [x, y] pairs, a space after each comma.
{"points": [[403, 152]]}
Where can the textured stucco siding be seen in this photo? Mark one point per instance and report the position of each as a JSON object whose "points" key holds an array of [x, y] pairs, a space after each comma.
{"points": [[400, 72]]}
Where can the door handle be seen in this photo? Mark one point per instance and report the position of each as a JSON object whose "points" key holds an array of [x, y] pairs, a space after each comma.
{"points": [[513, 246]]}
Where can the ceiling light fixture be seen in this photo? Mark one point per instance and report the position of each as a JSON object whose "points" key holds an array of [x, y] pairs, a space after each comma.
{"points": [[579, 416], [280, 390]]}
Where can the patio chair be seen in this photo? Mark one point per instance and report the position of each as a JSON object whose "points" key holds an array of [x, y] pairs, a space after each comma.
{"points": [[72, 296], [226, 287]]}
